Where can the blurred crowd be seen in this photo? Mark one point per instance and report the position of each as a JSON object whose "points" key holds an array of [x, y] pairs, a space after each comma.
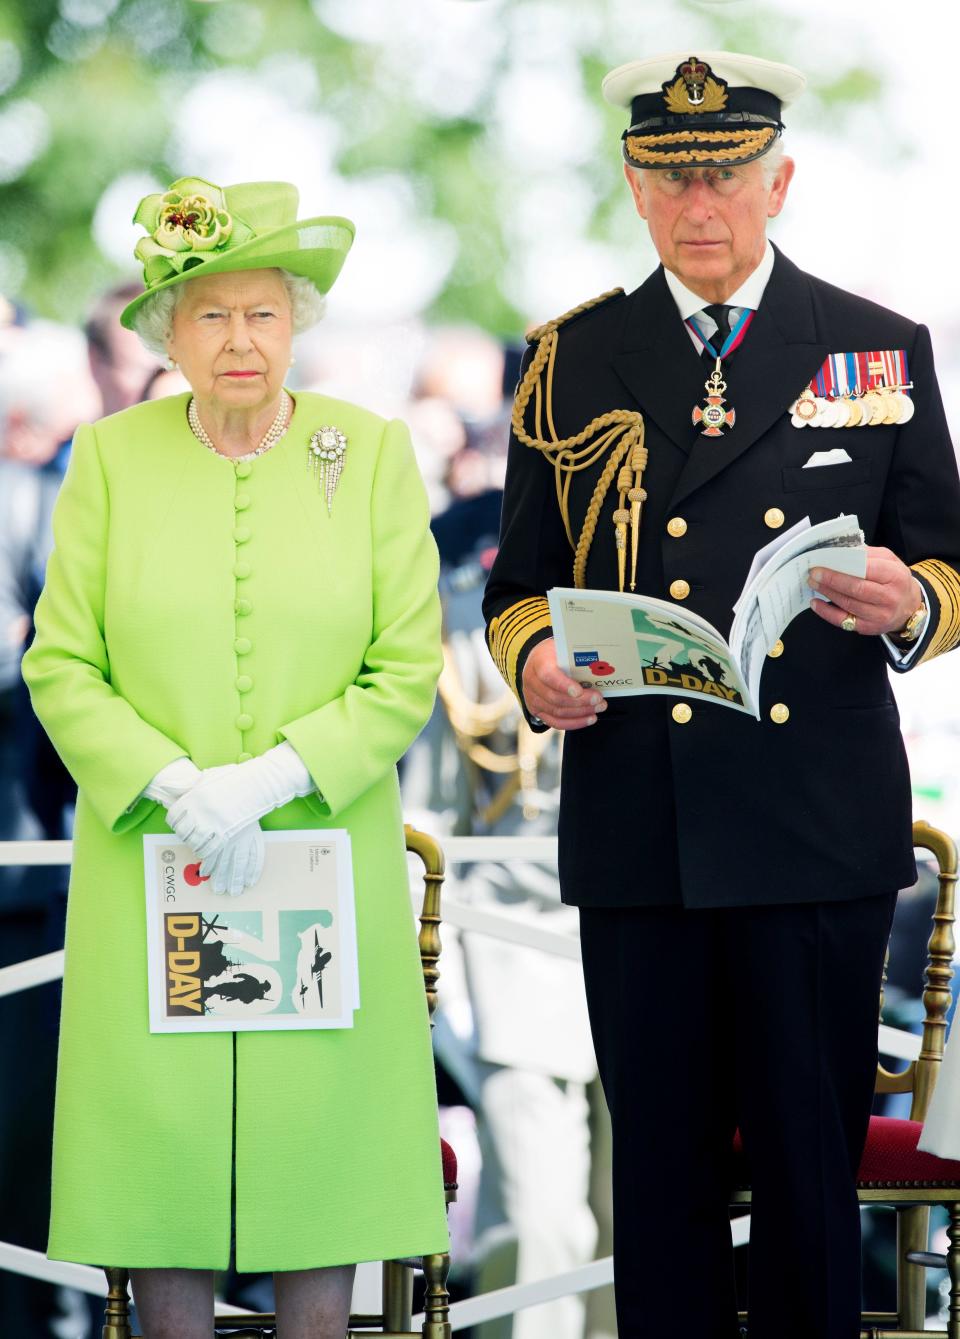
{"points": [[516, 1074]]}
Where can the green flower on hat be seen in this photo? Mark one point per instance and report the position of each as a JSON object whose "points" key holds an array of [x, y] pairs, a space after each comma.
{"points": [[186, 224], [196, 228]]}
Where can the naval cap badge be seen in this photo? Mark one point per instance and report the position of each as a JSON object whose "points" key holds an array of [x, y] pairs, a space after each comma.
{"points": [[694, 88]]}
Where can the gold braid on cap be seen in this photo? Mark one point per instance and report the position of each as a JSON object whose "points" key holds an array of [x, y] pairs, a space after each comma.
{"points": [[619, 432], [732, 145]]}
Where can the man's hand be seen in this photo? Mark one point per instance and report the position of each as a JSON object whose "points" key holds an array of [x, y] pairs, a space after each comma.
{"points": [[882, 601], [557, 699]]}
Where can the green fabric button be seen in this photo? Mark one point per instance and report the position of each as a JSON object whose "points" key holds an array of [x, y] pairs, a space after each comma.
{"points": [[244, 757], [244, 721], [242, 607], [243, 468], [241, 571], [241, 645], [241, 533], [242, 501], [244, 683]]}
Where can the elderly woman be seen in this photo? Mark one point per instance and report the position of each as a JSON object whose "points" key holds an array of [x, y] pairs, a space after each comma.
{"points": [[240, 625]]}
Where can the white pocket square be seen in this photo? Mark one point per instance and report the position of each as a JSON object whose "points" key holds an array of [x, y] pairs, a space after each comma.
{"points": [[837, 456]]}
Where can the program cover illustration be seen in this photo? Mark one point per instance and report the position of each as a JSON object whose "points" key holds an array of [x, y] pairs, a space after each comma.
{"points": [[281, 955]]}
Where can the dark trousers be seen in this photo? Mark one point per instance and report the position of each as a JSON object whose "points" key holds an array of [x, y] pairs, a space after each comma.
{"points": [[757, 1018]]}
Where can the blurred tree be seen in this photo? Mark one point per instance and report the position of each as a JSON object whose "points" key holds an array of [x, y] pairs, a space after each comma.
{"points": [[489, 111]]}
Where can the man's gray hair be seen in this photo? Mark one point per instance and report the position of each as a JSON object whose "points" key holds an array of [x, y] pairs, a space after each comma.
{"points": [[771, 160], [153, 322]]}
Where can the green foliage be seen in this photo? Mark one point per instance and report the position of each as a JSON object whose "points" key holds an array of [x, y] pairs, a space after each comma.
{"points": [[90, 90]]}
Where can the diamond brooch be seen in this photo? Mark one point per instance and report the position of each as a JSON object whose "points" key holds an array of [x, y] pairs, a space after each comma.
{"points": [[326, 452]]}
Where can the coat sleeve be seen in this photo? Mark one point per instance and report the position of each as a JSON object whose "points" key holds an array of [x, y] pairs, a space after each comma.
{"points": [[534, 555], [109, 749], [353, 740], [921, 514]]}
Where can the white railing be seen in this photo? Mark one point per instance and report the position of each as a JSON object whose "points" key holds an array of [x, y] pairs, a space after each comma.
{"points": [[457, 850]]}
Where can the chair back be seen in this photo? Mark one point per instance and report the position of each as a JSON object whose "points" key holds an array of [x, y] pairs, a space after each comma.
{"points": [[920, 1076], [431, 855]]}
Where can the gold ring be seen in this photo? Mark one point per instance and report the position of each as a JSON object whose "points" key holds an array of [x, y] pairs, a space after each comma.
{"points": [[849, 624]]}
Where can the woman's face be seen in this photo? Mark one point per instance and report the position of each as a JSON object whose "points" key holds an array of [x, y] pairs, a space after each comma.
{"points": [[232, 335]]}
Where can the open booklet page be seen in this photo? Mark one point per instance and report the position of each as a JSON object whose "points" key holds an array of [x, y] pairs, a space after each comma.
{"points": [[632, 644], [283, 955], [777, 590], [629, 644]]}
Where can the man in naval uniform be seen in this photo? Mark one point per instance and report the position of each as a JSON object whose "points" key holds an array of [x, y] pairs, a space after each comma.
{"points": [[736, 879]]}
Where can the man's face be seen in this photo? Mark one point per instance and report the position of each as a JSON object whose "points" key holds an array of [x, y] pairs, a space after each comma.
{"points": [[709, 224]]}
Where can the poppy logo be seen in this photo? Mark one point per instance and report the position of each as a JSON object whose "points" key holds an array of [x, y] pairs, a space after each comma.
{"points": [[192, 875], [601, 668]]}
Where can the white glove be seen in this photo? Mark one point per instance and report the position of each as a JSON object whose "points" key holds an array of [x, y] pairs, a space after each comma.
{"points": [[238, 864], [172, 781], [226, 799]]}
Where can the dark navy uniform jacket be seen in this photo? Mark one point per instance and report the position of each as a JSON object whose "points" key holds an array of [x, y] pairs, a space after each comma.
{"points": [[724, 810]]}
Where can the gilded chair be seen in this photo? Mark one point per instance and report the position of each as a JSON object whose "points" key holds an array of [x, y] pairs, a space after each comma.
{"points": [[394, 1322], [893, 1171]]}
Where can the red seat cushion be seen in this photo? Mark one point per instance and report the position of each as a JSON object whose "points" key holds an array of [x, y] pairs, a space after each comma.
{"points": [[891, 1158], [449, 1159]]}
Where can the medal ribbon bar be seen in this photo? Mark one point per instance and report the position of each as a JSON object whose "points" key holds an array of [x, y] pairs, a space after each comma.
{"points": [[853, 374]]}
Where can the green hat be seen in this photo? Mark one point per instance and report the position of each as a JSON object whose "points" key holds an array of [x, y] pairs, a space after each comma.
{"points": [[198, 228]]}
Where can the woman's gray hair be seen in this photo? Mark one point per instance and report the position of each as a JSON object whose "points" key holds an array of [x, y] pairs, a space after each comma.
{"points": [[153, 322]]}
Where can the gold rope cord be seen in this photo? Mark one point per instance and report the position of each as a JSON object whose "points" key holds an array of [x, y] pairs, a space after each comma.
{"points": [[746, 142], [621, 433], [473, 721]]}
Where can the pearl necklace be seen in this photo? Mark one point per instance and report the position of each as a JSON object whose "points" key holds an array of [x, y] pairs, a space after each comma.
{"points": [[270, 438]]}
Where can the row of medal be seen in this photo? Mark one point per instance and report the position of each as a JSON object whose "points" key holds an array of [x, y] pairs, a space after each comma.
{"points": [[855, 409]]}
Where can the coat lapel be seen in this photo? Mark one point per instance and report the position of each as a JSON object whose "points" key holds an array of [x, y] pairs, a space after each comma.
{"points": [[659, 365], [657, 361], [779, 356]]}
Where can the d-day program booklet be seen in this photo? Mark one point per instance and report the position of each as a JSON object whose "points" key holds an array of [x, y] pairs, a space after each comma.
{"points": [[282, 955], [629, 644]]}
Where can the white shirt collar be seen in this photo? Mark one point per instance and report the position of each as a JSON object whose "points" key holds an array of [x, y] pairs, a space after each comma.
{"points": [[748, 295]]}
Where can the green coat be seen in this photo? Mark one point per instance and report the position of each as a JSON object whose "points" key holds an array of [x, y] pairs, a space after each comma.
{"points": [[203, 606]]}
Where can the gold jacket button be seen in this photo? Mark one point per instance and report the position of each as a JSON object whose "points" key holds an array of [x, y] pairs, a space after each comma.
{"points": [[679, 590], [774, 518], [682, 712], [776, 649], [779, 713], [676, 526]]}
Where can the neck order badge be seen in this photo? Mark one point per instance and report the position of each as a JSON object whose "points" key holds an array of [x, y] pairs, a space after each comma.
{"points": [[712, 413]]}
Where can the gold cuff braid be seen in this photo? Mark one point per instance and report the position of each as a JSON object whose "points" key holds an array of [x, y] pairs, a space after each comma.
{"points": [[510, 631], [946, 586], [619, 433]]}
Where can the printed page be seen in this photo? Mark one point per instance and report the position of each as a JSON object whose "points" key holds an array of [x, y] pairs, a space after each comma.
{"points": [[779, 590], [786, 593], [763, 556], [282, 955], [802, 538], [625, 645], [751, 655]]}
